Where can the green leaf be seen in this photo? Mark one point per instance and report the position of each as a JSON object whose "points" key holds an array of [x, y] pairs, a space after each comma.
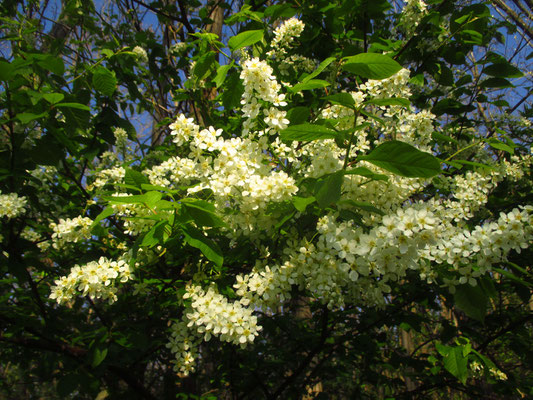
{"points": [[363, 205], [147, 186], [486, 361], [53, 98], [202, 215], [404, 160], [307, 132], [6, 70], [47, 151], [244, 39], [454, 361], [135, 178], [501, 103], [309, 85], [373, 116], [328, 189], [50, 63], [285, 217], [158, 234], [301, 203], [343, 99], [451, 106], [298, 115], [77, 106], [503, 69], [371, 65], [28, 117], [99, 355], [496, 144], [203, 64], [393, 101], [209, 249], [222, 72], [472, 301], [472, 164], [496, 83], [512, 277], [445, 138], [486, 284], [362, 171], [323, 65], [231, 96], [278, 11], [103, 215], [151, 198], [104, 81], [133, 199], [418, 80]]}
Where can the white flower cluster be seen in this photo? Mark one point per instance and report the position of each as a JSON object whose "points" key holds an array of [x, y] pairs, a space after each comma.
{"points": [[108, 176], [121, 138], [210, 314], [70, 230], [347, 264], [95, 279], [237, 170], [12, 205], [414, 128], [261, 86], [471, 190], [267, 287], [178, 48], [33, 236], [296, 62], [514, 170], [395, 86], [140, 53], [412, 13], [184, 344], [258, 80], [30, 235], [479, 369], [284, 36], [172, 171], [183, 129], [483, 246]]}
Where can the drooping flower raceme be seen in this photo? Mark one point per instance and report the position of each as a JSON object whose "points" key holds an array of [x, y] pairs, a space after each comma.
{"points": [[140, 53], [70, 230], [210, 314], [285, 34], [12, 205], [412, 13], [95, 279]]}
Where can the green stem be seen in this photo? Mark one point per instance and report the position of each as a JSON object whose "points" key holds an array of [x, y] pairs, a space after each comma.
{"points": [[94, 65], [461, 150], [356, 115]]}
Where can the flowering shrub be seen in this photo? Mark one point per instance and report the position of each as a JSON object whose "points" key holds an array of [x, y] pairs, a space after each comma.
{"points": [[294, 197]]}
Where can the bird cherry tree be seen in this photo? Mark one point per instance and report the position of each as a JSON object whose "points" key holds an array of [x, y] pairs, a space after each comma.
{"points": [[320, 208]]}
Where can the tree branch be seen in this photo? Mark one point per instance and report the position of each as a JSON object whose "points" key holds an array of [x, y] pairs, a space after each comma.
{"points": [[307, 361], [501, 332], [514, 16]]}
